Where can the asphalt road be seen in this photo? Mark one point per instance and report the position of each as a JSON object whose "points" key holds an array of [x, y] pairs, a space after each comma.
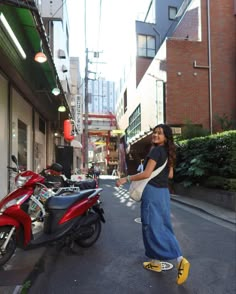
{"points": [[114, 264]]}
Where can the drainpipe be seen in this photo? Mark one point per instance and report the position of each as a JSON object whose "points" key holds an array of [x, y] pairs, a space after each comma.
{"points": [[160, 119], [209, 66], [159, 34], [10, 132], [156, 103], [209, 62]]}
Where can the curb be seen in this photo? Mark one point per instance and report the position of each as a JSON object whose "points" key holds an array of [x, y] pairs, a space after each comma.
{"points": [[22, 283], [29, 280], [172, 196]]}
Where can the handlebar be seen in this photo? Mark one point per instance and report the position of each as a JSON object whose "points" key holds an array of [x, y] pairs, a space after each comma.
{"points": [[13, 168]]}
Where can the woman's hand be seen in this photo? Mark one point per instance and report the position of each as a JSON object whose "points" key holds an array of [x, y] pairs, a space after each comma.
{"points": [[121, 181]]}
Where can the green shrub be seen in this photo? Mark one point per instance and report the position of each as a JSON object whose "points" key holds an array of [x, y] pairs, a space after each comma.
{"points": [[231, 184], [225, 122], [191, 130], [201, 158], [215, 182]]}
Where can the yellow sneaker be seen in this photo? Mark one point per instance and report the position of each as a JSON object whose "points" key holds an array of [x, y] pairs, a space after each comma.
{"points": [[149, 265], [183, 271]]}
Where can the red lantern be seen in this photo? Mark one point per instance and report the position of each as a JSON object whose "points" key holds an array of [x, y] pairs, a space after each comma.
{"points": [[68, 130]]}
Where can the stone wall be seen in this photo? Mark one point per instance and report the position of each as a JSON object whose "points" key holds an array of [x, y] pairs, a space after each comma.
{"points": [[217, 197]]}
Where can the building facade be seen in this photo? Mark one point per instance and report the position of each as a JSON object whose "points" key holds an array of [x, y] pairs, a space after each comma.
{"points": [[152, 27], [201, 69], [31, 125], [191, 77], [101, 123], [101, 96]]}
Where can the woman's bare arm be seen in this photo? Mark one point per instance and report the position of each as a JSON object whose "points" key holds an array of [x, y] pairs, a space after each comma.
{"points": [[140, 176], [171, 173]]}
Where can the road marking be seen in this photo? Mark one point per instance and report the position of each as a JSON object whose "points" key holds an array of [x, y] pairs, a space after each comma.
{"points": [[17, 290], [166, 266], [138, 220]]}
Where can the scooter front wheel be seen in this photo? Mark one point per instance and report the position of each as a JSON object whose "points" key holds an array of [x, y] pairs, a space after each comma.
{"points": [[89, 234], [5, 254]]}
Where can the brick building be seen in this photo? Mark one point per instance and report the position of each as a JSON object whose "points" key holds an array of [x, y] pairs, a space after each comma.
{"points": [[191, 78], [201, 57]]}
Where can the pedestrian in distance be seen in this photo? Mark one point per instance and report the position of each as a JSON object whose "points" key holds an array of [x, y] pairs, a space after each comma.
{"points": [[140, 167], [91, 171], [97, 170], [158, 236], [114, 171]]}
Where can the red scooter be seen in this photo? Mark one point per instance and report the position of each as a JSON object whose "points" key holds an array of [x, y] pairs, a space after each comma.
{"points": [[55, 180], [70, 219]]}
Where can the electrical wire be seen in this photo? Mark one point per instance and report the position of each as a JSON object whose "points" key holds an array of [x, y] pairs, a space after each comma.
{"points": [[85, 24], [99, 30], [97, 45], [99, 25]]}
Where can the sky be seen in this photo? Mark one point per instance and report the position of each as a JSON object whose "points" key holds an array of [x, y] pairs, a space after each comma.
{"points": [[106, 31]]}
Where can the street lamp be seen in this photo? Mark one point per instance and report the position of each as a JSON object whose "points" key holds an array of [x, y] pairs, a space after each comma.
{"points": [[56, 91]]}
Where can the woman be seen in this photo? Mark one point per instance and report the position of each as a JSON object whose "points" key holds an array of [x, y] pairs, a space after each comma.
{"points": [[159, 240]]}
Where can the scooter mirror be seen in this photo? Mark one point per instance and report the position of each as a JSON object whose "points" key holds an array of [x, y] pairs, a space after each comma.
{"points": [[14, 159]]}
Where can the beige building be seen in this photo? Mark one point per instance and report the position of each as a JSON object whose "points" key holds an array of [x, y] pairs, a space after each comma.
{"points": [[30, 124]]}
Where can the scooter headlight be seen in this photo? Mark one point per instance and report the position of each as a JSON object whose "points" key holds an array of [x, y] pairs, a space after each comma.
{"points": [[16, 201], [20, 181]]}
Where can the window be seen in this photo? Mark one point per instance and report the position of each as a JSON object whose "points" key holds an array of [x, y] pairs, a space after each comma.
{"points": [[22, 145], [125, 100], [146, 46], [134, 123], [172, 12], [42, 125]]}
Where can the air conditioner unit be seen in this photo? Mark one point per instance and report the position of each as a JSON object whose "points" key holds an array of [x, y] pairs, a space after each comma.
{"points": [[64, 85], [64, 68], [61, 54]]}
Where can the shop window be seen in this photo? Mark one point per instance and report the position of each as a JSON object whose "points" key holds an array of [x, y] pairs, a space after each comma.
{"points": [[42, 125], [22, 145]]}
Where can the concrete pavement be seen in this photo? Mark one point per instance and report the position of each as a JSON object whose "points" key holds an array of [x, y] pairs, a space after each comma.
{"points": [[216, 211], [16, 274]]}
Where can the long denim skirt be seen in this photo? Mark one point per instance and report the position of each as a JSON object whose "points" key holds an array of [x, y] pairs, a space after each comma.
{"points": [[159, 239]]}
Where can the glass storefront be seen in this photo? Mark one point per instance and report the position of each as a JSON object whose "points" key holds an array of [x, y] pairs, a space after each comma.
{"points": [[22, 145]]}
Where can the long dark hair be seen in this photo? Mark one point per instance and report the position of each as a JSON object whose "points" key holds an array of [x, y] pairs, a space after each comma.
{"points": [[169, 143]]}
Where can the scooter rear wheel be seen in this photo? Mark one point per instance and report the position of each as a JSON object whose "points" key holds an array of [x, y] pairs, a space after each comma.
{"points": [[11, 246], [93, 231]]}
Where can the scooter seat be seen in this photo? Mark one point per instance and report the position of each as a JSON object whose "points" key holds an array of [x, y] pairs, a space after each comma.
{"points": [[86, 184], [83, 184], [63, 202]]}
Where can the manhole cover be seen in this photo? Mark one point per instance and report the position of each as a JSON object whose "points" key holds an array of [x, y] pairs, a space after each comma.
{"points": [[166, 266], [138, 220]]}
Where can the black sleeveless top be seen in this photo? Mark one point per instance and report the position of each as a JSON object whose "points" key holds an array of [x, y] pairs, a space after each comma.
{"points": [[159, 154]]}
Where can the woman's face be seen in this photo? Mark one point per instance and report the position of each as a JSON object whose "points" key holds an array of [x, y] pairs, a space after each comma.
{"points": [[158, 136]]}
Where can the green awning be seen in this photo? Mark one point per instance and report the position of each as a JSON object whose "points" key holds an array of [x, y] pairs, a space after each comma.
{"points": [[35, 80]]}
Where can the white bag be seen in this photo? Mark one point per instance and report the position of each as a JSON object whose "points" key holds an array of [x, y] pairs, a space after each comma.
{"points": [[136, 187]]}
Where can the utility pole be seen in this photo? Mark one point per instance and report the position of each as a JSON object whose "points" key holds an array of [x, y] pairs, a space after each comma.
{"points": [[86, 113], [86, 100]]}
